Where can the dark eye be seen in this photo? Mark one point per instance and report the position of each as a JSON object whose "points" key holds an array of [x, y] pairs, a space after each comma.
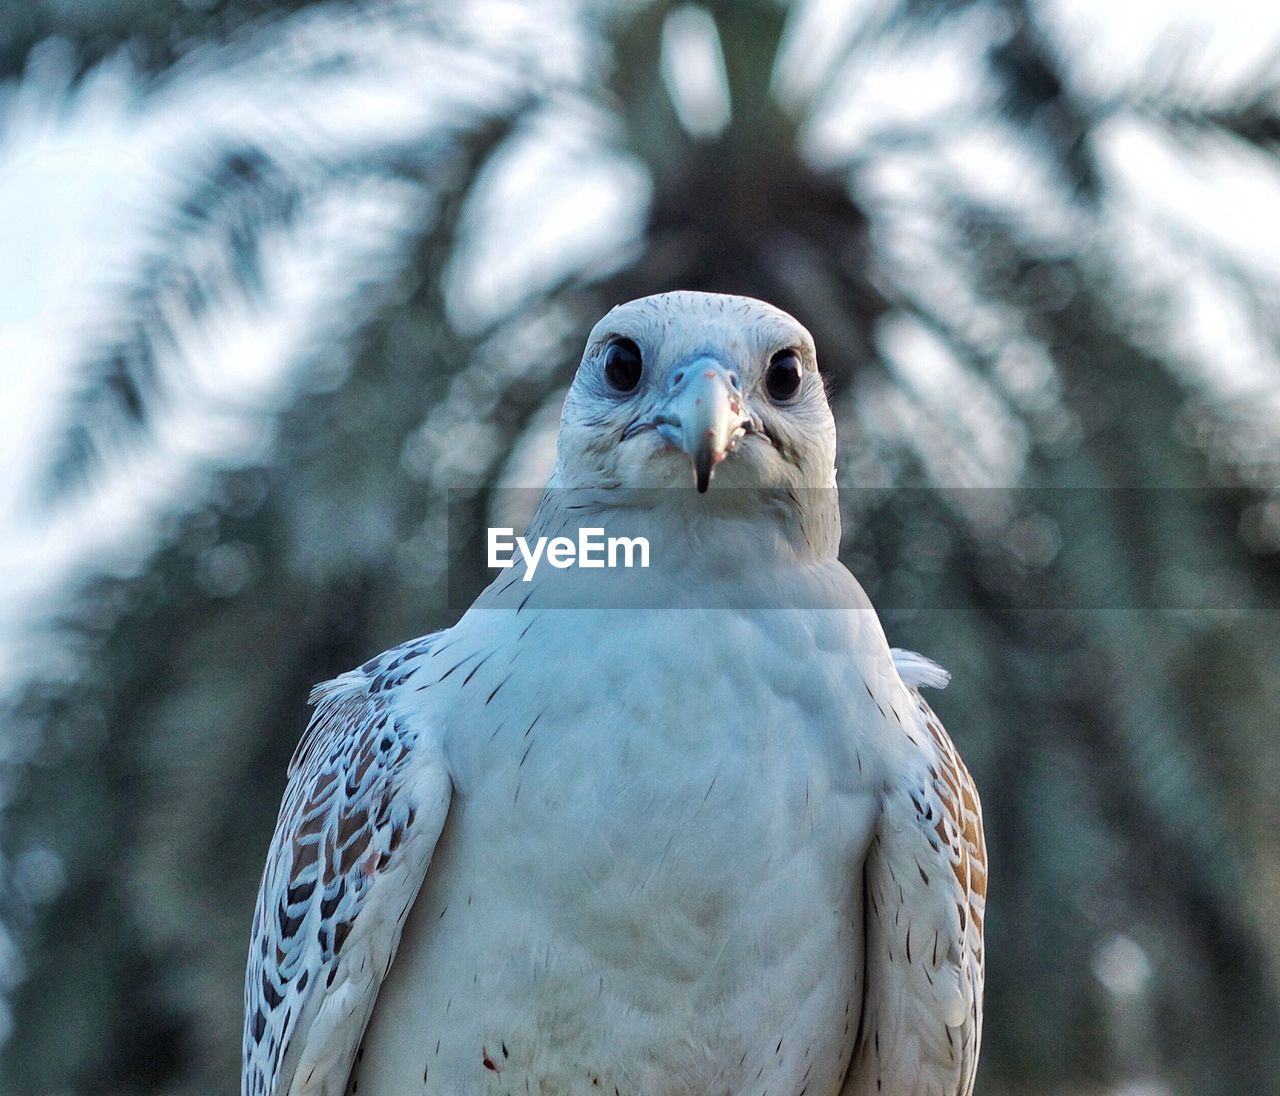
{"points": [[622, 365], [782, 378]]}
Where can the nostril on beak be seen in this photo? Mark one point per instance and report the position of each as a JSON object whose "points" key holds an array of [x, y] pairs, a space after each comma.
{"points": [[677, 378], [733, 380]]}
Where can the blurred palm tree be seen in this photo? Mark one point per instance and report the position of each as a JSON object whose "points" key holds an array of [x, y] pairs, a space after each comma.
{"points": [[1000, 301]]}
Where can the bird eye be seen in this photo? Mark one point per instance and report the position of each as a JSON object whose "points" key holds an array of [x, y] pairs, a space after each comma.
{"points": [[782, 378], [622, 365]]}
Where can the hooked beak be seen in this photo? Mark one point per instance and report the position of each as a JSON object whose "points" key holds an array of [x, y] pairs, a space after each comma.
{"points": [[704, 415]]}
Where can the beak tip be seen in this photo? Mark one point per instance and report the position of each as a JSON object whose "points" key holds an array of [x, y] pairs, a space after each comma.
{"points": [[702, 469]]}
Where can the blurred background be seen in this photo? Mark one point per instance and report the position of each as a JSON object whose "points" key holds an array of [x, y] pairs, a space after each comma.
{"points": [[276, 276]]}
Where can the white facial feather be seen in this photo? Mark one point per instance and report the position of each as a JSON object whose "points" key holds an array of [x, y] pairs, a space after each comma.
{"points": [[794, 448]]}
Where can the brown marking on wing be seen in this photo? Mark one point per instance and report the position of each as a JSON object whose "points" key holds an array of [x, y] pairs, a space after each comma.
{"points": [[960, 827], [342, 824]]}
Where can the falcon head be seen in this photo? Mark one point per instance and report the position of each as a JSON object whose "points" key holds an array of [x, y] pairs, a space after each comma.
{"points": [[680, 389]]}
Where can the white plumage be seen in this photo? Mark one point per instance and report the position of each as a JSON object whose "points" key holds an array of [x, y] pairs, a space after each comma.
{"points": [[689, 829]]}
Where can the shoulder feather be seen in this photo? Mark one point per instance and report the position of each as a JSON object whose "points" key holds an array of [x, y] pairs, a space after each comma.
{"points": [[918, 672], [367, 797], [925, 882]]}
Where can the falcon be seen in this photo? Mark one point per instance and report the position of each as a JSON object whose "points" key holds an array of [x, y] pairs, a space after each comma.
{"points": [[688, 828]]}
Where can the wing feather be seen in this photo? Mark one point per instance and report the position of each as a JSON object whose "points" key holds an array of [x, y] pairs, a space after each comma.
{"points": [[926, 886], [367, 797]]}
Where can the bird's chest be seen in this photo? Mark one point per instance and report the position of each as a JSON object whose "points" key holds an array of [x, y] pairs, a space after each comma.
{"points": [[672, 768], [651, 869]]}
